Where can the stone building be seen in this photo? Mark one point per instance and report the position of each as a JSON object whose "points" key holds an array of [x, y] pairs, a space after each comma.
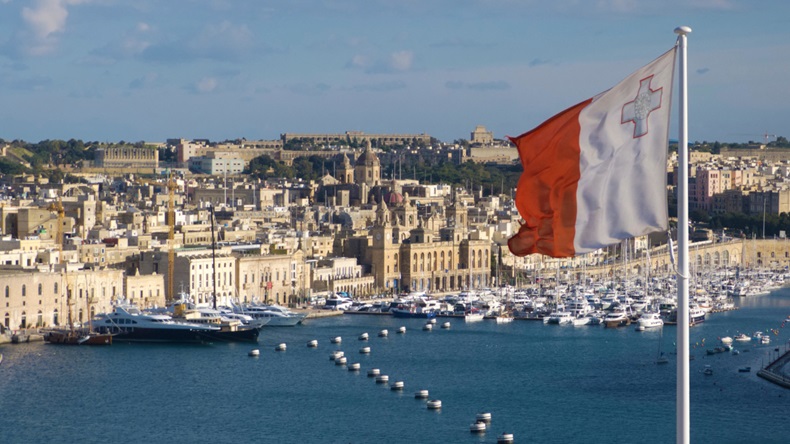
{"points": [[43, 299], [279, 278], [145, 291], [127, 157]]}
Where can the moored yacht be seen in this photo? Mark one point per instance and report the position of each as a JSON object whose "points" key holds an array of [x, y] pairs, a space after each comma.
{"points": [[617, 318], [278, 316], [129, 324], [559, 317], [650, 320]]}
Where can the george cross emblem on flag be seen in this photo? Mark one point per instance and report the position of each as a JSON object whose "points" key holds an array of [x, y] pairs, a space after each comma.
{"points": [[639, 109]]}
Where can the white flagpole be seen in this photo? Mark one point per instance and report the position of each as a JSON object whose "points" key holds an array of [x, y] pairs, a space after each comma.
{"points": [[683, 428]]}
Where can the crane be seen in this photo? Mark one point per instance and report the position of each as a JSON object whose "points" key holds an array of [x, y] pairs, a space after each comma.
{"points": [[171, 223]]}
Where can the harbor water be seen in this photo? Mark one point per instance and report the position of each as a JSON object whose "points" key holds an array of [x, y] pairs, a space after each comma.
{"points": [[542, 383]]}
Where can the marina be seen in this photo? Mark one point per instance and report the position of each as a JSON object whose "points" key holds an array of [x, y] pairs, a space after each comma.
{"points": [[538, 382]]}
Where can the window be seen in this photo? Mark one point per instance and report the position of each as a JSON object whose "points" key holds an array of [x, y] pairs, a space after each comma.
{"points": [[56, 288], [24, 290], [7, 291], [40, 289]]}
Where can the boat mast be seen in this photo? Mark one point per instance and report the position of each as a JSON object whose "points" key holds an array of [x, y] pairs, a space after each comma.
{"points": [[213, 256]]}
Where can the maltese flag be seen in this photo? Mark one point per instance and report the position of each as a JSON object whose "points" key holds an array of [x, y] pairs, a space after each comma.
{"points": [[596, 173]]}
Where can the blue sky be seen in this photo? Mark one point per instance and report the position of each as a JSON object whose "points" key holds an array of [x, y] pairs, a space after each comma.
{"points": [[149, 70]]}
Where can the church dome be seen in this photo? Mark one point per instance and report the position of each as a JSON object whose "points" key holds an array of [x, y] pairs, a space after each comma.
{"points": [[393, 198], [368, 158]]}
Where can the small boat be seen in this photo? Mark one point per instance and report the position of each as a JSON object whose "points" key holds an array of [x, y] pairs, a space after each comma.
{"points": [[743, 337], [745, 369], [708, 371], [474, 316], [726, 340]]}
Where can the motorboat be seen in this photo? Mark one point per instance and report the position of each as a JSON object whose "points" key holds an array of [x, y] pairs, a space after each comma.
{"points": [[559, 317], [617, 318], [278, 316], [413, 310], [650, 320], [474, 316], [743, 337]]}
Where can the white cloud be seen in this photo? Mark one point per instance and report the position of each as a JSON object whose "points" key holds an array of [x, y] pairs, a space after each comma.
{"points": [[206, 85], [45, 20], [401, 60]]}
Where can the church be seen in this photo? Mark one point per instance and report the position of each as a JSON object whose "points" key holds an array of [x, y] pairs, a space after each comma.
{"points": [[432, 250]]}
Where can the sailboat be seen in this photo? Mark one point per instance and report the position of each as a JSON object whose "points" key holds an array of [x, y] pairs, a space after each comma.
{"points": [[74, 336]]}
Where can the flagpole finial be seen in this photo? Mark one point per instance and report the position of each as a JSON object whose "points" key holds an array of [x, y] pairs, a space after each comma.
{"points": [[682, 30]]}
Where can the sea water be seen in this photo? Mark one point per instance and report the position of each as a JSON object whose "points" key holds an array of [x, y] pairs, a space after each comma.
{"points": [[542, 383]]}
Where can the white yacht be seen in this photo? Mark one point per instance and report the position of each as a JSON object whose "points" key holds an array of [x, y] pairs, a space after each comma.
{"points": [[650, 320], [129, 324], [559, 317], [278, 316]]}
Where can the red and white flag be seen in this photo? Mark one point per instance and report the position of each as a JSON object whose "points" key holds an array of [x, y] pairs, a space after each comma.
{"points": [[595, 173]]}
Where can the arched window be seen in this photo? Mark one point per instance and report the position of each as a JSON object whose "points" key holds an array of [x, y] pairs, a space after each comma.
{"points": [[24, 290], [415, 262], [23, 324], [396, 263], [55, 320], [40, 319], [40, 289], [7, 321]]}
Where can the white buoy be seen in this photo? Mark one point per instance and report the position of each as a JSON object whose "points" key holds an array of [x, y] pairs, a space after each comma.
{"points": [[505, 438], [312, 344], [401, 329], [397, 385], [336, 340], [254, 353], [280, 347], [363, 337], [364, 350], [434, 404], [478, 427], [382, 379], [421, 394], [383, 333], [485, 417], [373, 372], [336, 355], [427, 327], [446, 325], [432, 321], [353, 367], [341, 361]]}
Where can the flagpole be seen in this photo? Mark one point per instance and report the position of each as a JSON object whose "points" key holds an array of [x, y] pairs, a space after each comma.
{"points": [[683, 424]]}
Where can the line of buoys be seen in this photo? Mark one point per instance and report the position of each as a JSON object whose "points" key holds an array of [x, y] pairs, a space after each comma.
{"points": [[397, 385], [336, 340], [363, 337], [280, 347], [383, 333], [373, 372], [364, 350], [421, 394], [312, 344], [254, 353], [402, 329]]}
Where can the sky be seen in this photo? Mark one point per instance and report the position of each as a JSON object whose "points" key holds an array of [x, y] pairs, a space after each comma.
{"points": [[148, 70]]}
